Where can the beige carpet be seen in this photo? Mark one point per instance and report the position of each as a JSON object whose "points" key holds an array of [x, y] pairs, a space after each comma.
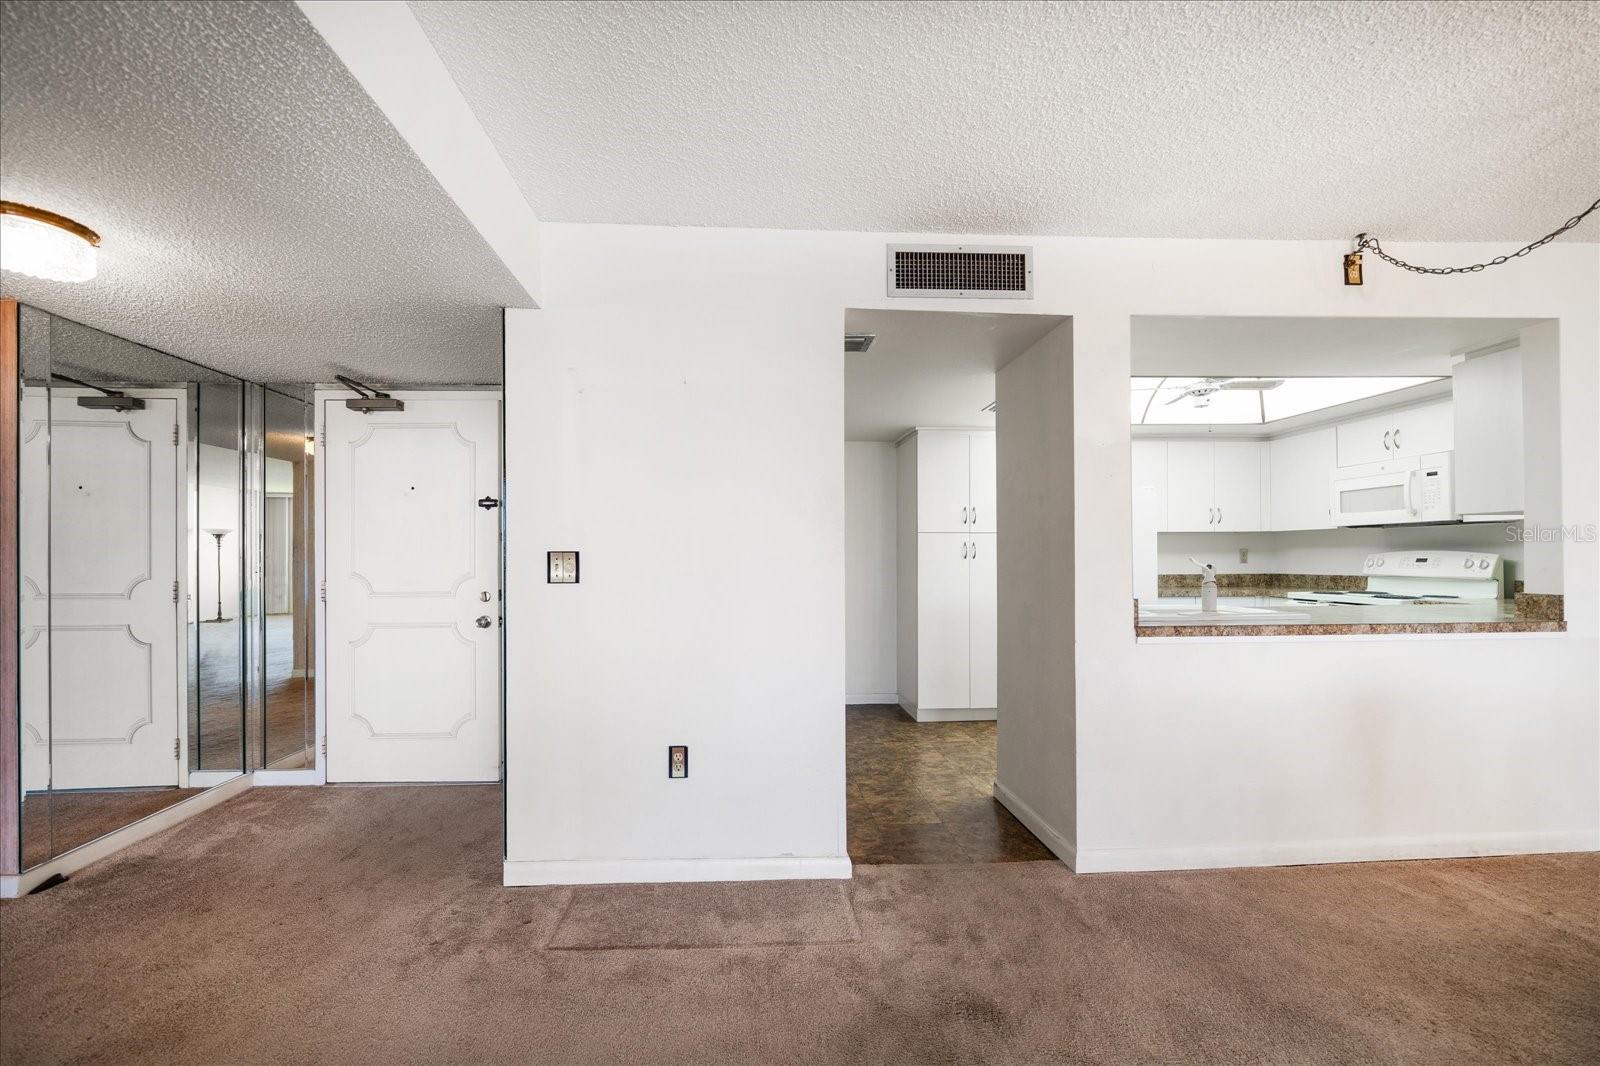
{"points": [[368, 925]]}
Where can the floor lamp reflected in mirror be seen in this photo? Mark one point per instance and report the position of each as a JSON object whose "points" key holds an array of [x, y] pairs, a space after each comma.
{"points": [[219, 534]]}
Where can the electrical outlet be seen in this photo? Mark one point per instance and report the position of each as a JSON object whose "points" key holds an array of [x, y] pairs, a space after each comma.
{"points": [[678, 761], [562, 568], [1244, 555]]}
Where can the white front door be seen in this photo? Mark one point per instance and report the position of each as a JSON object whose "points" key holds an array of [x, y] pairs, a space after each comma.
{"points": [[412, 577], [100, 658]]}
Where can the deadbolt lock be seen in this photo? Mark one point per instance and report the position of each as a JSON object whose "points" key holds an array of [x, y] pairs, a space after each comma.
{"points": [[484, 621]]}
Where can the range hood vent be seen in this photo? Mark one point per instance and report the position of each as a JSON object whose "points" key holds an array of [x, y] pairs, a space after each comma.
{"points": [[962, 272]]}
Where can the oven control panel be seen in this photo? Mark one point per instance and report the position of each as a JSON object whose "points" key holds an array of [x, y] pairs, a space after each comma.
{"points": [[1434, 564]]}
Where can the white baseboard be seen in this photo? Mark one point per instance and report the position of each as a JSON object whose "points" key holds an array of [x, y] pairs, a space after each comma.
{"points": [[14, 885], [1313, 852], [523, 872], [210, 778], [951, 714], [1048, 836], [875, 699]]}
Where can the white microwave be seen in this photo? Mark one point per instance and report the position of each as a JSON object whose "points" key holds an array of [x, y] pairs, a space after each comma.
{"points": [[1396, 492]]}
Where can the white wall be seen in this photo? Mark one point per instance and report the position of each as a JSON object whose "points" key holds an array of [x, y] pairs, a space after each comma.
{"points": [[1036, 775], [869, 572], [701, 471]]}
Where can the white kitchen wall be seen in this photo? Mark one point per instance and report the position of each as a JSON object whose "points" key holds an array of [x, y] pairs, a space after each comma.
{"points": [[1331, 551], [701, 472], [869, 572]]}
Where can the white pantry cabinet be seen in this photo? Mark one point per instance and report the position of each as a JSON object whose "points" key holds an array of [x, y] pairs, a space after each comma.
{"points": [[1215, 486], [949, 583], [1401, 434], [1300, 469], [955, 479]]}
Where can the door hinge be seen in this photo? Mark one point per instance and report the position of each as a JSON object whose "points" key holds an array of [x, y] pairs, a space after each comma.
{"points": [[174, 592], [323, 592], [488, 503], [324, 436], [174, 747], [174, 436], [324, 746]]}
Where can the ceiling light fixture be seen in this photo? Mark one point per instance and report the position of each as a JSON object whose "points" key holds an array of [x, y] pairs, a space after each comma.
{"points": [[43, 244], [1366, 242]]}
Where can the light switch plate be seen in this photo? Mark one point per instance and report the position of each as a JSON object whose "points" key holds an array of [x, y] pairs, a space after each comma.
{"points": [[678, 761], [562, 568]]}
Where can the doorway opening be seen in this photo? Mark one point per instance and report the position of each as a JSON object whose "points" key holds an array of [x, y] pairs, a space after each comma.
{"points": [[924, 549]]}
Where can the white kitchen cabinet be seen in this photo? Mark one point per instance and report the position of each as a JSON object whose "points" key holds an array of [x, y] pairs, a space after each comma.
{"points": [[1214, 485], [1149, 512], [944, 631], [955, 479], [1237, 473], [983, 585], [948, 581], [944, 473], [1191, 483], [1488, 434], [1404, 433], [1300, 469], [982, 476]]}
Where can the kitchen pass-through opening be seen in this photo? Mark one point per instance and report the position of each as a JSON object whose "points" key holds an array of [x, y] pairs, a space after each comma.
{"points": [[1304, 475]]}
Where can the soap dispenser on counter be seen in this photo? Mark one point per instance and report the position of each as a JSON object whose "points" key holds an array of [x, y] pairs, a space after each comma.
{"points": [[1208, 585]]}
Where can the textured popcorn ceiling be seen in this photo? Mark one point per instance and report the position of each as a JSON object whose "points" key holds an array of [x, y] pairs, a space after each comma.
{"points": [[259, 213], [1415, 121]]}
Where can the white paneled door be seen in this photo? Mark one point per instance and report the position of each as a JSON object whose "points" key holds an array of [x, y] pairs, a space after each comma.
{"points": [[99, 592], [413, 591]]}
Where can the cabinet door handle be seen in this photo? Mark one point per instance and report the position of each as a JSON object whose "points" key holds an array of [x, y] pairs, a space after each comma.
{"points": [[1397, 440], [974, 516], [963, 549], [974, 549], [963, 516], [1211, 516], [1219, 516], [1386, 437]]}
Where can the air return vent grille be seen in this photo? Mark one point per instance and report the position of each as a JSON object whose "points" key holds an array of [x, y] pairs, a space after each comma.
{"points": [[960, 271]]}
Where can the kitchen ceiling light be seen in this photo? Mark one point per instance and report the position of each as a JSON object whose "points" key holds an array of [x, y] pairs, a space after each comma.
{"points": [[43, 244]]}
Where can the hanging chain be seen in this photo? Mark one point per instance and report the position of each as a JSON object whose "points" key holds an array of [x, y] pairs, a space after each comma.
{"points": [[1365, 243]]}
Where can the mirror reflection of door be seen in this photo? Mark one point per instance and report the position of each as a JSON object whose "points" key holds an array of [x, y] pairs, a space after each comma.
{"points": [[101, 618]]}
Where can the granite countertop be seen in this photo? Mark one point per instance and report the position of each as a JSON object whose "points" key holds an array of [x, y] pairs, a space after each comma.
{"points": [[1495, 616]]}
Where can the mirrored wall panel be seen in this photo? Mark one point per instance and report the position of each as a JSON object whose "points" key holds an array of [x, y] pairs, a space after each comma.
{"points": [[132, 663], [287, 667]]}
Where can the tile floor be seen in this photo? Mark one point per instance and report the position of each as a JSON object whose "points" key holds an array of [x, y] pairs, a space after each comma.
{"points": [[922, 792]]}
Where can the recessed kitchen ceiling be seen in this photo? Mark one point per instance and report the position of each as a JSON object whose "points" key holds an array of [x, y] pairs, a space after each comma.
{"points": [[1190, 347], [930, 368], [258, 213], [1227, 401], [1428, 120]]}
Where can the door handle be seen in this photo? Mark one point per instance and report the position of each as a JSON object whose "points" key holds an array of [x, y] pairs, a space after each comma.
{"points": [[1219, 516], [1211, 516], [484, 621], [974, 549], [974, 522], [1397, 440], [1386, 437], [966, 515]]}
